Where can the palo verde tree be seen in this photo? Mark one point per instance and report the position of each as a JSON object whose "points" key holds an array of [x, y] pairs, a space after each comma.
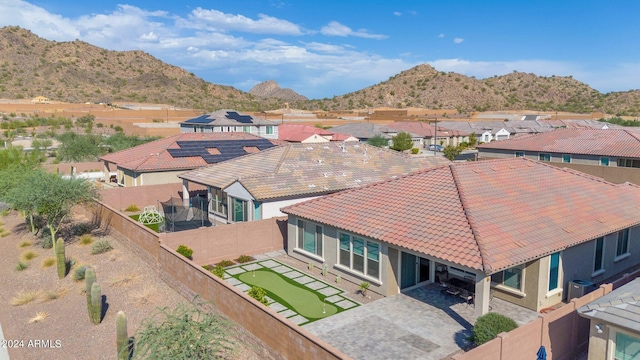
{"points": [[378, 141], [450, 152], [402, 141], [51, 197]]}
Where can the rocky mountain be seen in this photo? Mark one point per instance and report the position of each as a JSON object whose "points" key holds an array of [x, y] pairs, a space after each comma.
{"points": [[271, 89], [80, 72]]}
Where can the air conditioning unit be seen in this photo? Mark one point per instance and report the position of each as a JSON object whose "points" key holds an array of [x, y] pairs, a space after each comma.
{"points": [[579, 288]]}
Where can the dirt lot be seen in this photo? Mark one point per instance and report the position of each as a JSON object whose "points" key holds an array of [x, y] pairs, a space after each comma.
{"points": [[128, 283]]}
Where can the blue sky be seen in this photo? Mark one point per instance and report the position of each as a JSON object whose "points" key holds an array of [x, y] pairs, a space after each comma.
{"points": [[326, 48]]}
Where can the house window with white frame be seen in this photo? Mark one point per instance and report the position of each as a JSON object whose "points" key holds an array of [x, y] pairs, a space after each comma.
{"points": [[566, 158], [510, 278], [554, 271], [218, 201], [627, 347], [634, 163], [239, 210], [309, 237], [269, 130], [544, 157], [604, 161], [622, 246], [598, 257], [359, 255], [519, 154]]}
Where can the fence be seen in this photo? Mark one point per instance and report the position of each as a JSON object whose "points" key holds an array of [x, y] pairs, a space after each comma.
{"points": [[563, 332], [189, 278]]}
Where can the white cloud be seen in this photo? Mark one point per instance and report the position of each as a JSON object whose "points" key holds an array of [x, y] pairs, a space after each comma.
{"points": [[214, 20], [397, 13], [149, 37], [37, 19], [441, 35], [334, 28], [458, 40]]}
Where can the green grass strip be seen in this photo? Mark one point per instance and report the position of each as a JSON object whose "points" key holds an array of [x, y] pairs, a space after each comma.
{"points": [[154, 227]]}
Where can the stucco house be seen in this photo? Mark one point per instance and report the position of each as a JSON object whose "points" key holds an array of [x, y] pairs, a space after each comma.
{"points": [[231, 121], [515, 229], [160, 161], [256, 186], [301, 133], [366, 131], [612, 154], [40, 100], [429, 134], [615, 324]]}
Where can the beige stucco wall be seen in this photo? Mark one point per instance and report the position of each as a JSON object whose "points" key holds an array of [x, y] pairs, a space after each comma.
{"points": [[530, 298], [160, 177]]}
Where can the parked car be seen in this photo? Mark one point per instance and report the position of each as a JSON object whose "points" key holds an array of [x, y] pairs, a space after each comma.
{"points": [[433, 147]]}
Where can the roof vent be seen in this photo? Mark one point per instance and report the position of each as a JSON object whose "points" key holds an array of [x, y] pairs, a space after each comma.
{"points": [[319, 161], [358, 181], [394, 176], [310, 148], [325, 147], [344, 173], [601, 220], [356, 146], [568, 229], [312, 185], [325, 175], [495, 168]]}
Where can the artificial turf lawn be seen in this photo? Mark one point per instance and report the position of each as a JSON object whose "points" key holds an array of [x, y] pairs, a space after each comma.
{"points": [[154, 227], [295, 296]]}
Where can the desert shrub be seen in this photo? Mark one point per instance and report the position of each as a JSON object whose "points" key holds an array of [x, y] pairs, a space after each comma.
{"points": [[218, 271], [415, 151], [185, 251], [45, 238], [225, 263], [78, 273], [82, 229], [101, 247], [364, 286], [24, 244], [208, 267], [21, 266], [259, 294], [186, 332], [48, 262], [86, 239], [244, 258], [488, 326], [24, 297], [28, 255], [132, 208]]}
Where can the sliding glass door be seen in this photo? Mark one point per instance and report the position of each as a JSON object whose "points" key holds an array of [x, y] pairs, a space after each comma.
{"points": [[414, 270]]}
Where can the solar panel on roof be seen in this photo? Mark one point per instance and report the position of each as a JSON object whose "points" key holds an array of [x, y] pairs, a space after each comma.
{"points": [[203, 119], [245, 119], [229, 149]]}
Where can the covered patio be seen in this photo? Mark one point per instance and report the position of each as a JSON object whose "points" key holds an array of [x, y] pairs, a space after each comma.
{"points": [[421, 323]]}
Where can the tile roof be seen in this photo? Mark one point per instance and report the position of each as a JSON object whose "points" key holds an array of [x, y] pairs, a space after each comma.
{"points": [[486, 215], [620, 307], [226, 117], [609, 142], [523, 127], [299, 132], [364, 130], [296, 170], [425, 129], [157, 155]]}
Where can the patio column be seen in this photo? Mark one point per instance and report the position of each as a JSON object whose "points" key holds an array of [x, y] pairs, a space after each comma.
{"points": [[185, 193], [483, 288]]}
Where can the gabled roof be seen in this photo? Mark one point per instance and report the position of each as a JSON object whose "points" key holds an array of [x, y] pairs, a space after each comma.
{"points": [[182, 151], [364, 130], [620, 307], [486, 215], [296, 170], [228, 117], [425, 129], [299, 132], [609, 142]]}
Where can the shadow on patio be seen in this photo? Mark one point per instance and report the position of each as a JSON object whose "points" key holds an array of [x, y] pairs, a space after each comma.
{"points": [[423, 323]]}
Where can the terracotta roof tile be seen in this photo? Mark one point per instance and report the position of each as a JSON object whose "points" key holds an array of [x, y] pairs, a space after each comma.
{"points": [[488, 215], [609, 142]]}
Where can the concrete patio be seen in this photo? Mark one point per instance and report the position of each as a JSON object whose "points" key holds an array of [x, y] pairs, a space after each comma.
{"points": [[422, 323]]}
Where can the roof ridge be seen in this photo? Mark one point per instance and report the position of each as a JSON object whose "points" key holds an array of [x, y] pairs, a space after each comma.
{"points": [[470, 220], [569, 170], [282, 157]]}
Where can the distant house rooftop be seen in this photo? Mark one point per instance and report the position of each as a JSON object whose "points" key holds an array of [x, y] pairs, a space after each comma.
{"points": [[227, 118]]}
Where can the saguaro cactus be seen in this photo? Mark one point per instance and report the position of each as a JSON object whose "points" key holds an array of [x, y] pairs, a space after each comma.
{"points": [[89, 279], [61, 259], [122, 337], [96, 303]]}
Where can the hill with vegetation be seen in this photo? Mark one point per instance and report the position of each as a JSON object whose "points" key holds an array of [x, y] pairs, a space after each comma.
{"points": [[79, 72]]}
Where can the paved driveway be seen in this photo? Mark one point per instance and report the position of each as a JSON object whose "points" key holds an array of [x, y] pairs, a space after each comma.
{"points": [[420, 324]]}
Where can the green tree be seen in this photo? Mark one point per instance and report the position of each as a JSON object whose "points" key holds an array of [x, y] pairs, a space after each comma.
{"points": [[186, 332], [402, 141], [450, 152], [378, 141], [25, 201], [473, 140], [75, 147]]}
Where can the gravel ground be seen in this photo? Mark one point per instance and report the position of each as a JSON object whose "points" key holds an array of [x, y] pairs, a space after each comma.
{"points": [[128, 283]]}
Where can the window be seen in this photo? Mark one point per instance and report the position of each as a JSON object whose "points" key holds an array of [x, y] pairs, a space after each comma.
{"points": [[566, 158], [257, 211], [218, 201], [269, 130], [246, 129], [239, 210], [519, 153], [511, 278], [629, 163], [627, 347], [310, 237], [360, 255], [544, 157], [554, 271], [604, 161], [598, 258], [623, 242]]}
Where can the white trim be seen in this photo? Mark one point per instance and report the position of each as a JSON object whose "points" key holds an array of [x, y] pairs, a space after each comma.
{"points": [[621, 257], [358, 274], [509, 289], [302, 250], [553, 292], [560, 273], [570, 158], [308, 254], [365, 255], [598, 273]]}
